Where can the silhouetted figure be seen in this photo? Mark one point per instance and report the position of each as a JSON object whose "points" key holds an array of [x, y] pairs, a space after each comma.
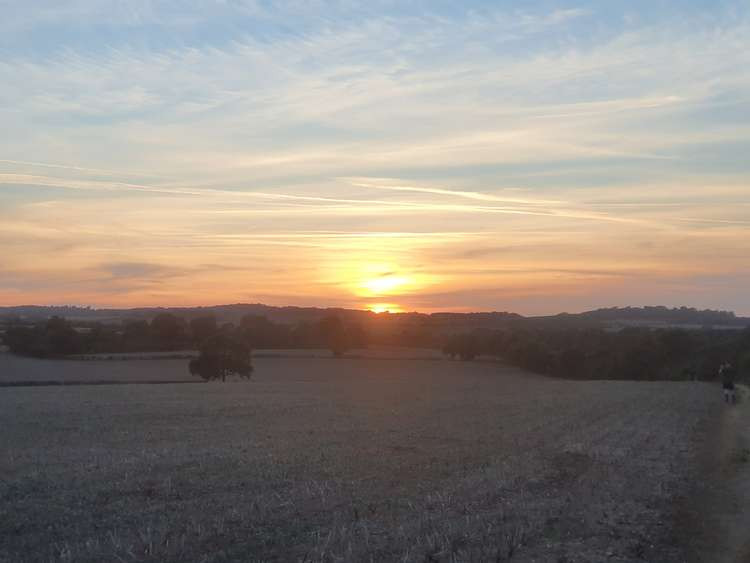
{"points": [[726, 373]]}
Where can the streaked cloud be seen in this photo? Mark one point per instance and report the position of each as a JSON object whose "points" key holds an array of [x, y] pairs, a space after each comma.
{"points": [[488, 157]]}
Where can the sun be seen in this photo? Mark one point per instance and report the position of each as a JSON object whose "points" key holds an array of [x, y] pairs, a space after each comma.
{"points": [[385, 284], [384, 308], [380, 286]]}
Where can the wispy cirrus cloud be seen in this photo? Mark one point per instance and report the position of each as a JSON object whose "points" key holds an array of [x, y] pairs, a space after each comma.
{"points": [[312, 142]]}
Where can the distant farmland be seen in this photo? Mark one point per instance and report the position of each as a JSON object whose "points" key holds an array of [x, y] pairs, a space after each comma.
{"points": [[142, 367], [19, 369], [344, 460]]}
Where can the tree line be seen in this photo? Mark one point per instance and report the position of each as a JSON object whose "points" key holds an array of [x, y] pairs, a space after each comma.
{"points": [[595, 353], [569, 351], [58, 337]]}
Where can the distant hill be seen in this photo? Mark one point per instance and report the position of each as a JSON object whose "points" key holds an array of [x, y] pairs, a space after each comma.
{"points": [[681, 315], [225, 313], [613, 316]]}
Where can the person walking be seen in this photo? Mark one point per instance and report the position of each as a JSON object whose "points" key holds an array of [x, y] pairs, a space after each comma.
{"points": [[726, 373]]}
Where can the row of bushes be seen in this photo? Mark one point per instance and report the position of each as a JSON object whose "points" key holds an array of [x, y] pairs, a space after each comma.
{"points": [[582, 353], [168, 332], [632, 353]]}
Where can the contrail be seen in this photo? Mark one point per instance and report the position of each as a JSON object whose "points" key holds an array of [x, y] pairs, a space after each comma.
{"points": [[29, 179], [77, 168], [455, 193]]}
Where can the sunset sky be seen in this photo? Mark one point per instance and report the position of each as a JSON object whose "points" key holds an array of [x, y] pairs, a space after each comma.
{"points": [[535, 157]]}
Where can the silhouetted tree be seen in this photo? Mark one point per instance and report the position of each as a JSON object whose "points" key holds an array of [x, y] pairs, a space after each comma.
{"points": [[203, 328], [305, 335], [221, 356], [103, 338], [62, 338], [450, 348], [259, 332], [335, 335], [571, 363], [168, 331], [357, 336], [466, 346], [55, 337], [676, 343], [24, 340], [136, 336]]}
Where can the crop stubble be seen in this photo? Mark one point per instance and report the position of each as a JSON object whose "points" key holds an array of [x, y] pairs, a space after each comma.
{"points": [[349, 460]]}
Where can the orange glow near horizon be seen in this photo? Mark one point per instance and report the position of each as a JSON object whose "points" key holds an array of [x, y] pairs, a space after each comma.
{"points": [[351, 188], [384, 308]]}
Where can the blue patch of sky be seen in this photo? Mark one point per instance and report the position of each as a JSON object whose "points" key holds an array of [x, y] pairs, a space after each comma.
{"points": [[715, 157], [34, 193], [164, 26]]}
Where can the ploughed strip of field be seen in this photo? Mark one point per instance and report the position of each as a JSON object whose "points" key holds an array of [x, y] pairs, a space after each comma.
{"points": [[351, 460]]}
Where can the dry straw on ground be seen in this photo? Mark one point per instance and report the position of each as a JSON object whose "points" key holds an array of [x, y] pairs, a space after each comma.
{"points": [[348, 460]]}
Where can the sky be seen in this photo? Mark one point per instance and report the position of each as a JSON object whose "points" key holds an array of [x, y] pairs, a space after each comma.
{"points": [[535, 157]]}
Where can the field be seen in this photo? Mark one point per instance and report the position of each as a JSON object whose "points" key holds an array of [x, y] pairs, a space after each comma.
{"points": [[345, 460], [146, 368], [18, 369]]}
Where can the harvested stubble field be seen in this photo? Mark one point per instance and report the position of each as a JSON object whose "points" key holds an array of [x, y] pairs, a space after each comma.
{"points": [[349, 460]]}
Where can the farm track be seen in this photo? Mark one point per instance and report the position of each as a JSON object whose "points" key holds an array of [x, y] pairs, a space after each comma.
{"points": [[717, 518]]}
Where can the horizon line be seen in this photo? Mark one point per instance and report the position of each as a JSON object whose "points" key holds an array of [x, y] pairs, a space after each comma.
{"points": [[401, 312]]}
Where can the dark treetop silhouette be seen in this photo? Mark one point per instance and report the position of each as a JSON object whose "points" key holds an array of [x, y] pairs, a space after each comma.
{"points": [[221, 356]]}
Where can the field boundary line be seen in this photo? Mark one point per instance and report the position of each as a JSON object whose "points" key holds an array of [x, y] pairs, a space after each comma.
{"points": [[78, 383]]}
